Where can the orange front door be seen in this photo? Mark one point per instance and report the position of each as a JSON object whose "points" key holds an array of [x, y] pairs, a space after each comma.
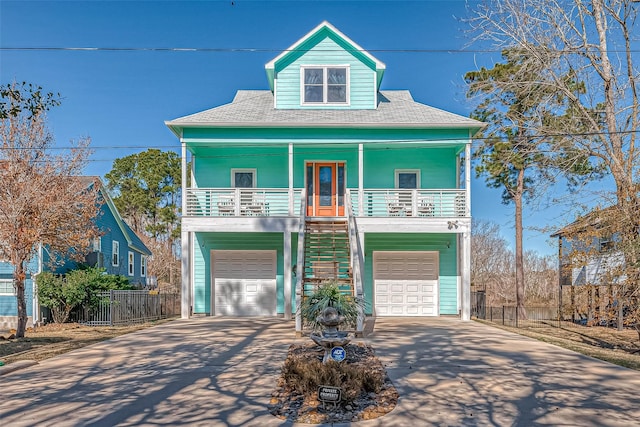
{"points": [[324, 199], [325, 189]]}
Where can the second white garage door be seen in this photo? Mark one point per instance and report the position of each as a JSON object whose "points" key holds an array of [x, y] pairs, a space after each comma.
{"points": [[244, 283], [405, 283]]}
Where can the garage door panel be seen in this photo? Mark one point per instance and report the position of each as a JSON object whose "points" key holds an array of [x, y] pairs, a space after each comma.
{"points": [[406, 283], [244, 283], [412, 288], [396, 311], [396, 287]]}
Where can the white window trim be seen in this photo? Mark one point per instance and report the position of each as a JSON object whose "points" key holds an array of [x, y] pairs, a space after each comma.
{"points": [[397, 172], [97, 244], [143, 266], [254, 171], [131, 263], [325, 86], [115, 253], [8, 283]]}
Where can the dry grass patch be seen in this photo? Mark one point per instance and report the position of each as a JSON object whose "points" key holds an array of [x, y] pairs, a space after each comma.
{"points": [[367, 392], [53, 339], [618, 347]]}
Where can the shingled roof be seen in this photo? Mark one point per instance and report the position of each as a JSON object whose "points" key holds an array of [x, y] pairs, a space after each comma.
{"points": [[254, 108]]}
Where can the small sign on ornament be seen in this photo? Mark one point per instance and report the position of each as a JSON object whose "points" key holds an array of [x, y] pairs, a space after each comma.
{"points": [[338, 354]]}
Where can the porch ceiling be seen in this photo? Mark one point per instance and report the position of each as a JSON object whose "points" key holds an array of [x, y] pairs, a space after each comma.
{"points": [[204, 146]]}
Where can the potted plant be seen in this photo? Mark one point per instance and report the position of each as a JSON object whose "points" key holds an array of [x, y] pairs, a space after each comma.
{"points": [[329, 294]]}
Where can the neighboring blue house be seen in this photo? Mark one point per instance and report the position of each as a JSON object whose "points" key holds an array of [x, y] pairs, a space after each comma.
{"points": [[119, 250], [324, 177]]}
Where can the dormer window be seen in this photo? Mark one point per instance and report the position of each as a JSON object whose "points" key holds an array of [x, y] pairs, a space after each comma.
{"points": [[325, 85]]}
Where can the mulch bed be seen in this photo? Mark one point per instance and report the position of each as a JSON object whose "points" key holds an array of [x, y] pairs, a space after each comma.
{"points": [[288, 403]]}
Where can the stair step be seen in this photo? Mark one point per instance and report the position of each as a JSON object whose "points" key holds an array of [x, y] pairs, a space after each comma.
{"points": [[327, 255]]}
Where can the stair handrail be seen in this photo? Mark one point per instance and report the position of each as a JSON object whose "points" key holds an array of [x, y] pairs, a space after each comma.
{"points": [[300, 260], [357, 259]]}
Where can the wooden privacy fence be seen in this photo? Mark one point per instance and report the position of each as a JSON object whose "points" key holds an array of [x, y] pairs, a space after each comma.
{"points": [[116, 308], [536, 316]]}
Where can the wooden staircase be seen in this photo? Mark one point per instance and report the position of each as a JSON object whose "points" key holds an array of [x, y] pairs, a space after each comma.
{"points": [[327, 255]]}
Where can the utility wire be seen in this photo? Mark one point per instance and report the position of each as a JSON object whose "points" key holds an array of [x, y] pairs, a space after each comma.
{"points": [[262, 50]]}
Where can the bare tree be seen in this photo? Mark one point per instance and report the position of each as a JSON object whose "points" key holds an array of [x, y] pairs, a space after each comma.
{"points": [[588, 58], [493, 269], [492, 266], [42, 202], [541, 278]]}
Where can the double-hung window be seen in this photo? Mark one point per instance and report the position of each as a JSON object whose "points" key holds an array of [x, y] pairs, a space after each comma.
{"points": [[325, 85], [143, 266], [6, 287], [131, 263], [115, 253]]}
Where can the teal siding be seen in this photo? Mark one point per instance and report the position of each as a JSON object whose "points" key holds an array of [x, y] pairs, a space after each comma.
{"points": [[213, 167], [108, 225], [9, 303], [328, 51], [6, 270], [342, 153], [206, 242], [436, 160], [437, 166], [448, 269]]}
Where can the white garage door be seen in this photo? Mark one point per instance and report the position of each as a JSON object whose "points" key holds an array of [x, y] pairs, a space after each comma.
{"points": [[406, 283], [244, 283]]}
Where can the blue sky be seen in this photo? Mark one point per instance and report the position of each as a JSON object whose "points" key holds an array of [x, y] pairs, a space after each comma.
{"points": [[121, 98]]}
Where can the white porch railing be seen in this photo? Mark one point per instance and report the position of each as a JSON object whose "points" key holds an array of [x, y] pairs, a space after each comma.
{"points": [[410, 203], [269, 202], [357, 261], [221, 202]]}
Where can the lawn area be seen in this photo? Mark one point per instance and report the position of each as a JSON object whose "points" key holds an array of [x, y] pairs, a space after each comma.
{"points": [[608, 344], [53, 339]]}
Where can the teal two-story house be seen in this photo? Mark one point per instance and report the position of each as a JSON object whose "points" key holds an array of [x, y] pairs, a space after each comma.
{"points": [[118, 250], [325, 177]]}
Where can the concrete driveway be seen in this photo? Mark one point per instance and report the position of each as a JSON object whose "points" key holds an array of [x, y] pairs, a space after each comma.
{"points": [[220, 372]]}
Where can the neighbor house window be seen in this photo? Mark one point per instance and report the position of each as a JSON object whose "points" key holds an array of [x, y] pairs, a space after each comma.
{"points": [[243, 178], [115, 253], [131, 259], [6, 287], [409, 179], [325, 85], [606, 243], [143, 266], [96, 245]]}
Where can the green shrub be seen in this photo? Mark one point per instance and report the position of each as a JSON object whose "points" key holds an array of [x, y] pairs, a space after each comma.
{"points": [[63, 293], [60, 295], [329, 294]]}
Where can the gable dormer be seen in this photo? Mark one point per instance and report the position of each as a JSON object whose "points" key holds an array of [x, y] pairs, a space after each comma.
{"points": [[325, 70]]}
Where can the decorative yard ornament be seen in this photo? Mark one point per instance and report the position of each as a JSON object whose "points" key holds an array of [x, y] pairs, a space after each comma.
{"points": [[330, 337]]}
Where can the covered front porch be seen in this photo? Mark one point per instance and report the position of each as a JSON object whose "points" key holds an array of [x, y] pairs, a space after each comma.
{"points": [[283, 202]]}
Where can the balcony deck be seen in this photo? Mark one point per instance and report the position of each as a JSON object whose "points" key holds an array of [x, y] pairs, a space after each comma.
{"points": [[368, 203]]}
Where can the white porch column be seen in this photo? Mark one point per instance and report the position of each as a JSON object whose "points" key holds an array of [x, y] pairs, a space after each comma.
{"points": [[360, 180], [291, 206], [465, 312], [185, 307], [287, 274], [467, 177], [185, 249]]}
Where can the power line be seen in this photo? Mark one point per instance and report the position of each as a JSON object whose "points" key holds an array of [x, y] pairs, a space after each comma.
{"points": [[264, 50]]}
